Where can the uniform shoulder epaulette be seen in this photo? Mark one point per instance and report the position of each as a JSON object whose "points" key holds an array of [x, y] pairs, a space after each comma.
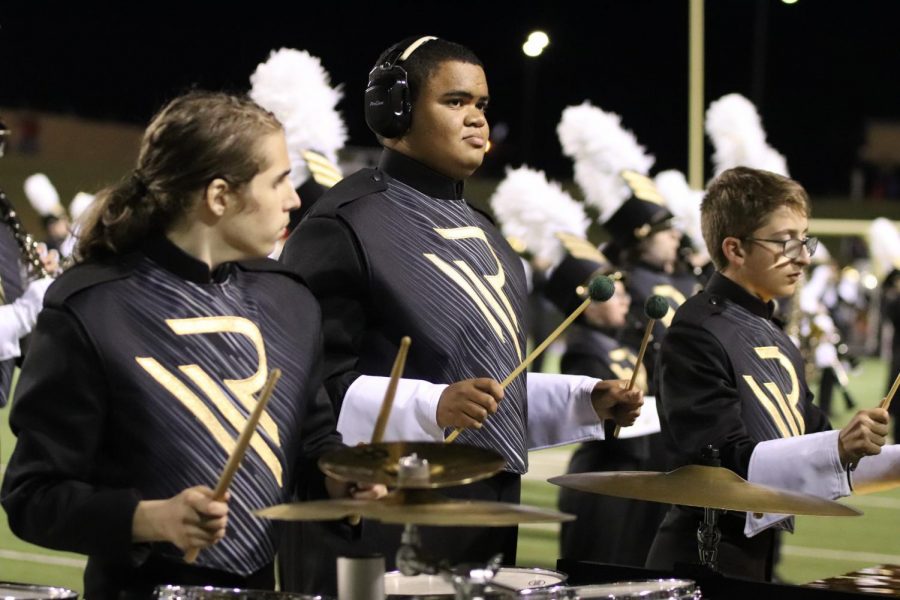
{"points": [[362, 183], [700, 307], [87, 275], [269, 266], [483, 212]]}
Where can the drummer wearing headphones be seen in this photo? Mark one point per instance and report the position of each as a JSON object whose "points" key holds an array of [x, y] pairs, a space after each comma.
{"points": [[731, 378], [149, 355]]}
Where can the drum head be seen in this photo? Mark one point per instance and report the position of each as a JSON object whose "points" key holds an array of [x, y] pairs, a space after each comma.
{"points": [[427, 587], [34, 592], [650, 589], [186, 592]]}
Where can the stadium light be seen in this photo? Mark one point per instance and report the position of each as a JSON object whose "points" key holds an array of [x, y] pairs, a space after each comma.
{"points": [[535, 44]]}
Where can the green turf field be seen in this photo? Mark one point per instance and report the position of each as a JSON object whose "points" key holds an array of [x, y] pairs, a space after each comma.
{"points": [[821, 547]]}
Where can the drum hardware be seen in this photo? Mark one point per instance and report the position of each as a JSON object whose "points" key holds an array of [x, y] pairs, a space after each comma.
{"points": [[188, 592], [419, 507], [447, 465], [708, 533], [710, 487], [21, 591]]}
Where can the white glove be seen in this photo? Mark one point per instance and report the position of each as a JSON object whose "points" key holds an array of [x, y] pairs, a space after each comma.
{"points": [[18, 318]]}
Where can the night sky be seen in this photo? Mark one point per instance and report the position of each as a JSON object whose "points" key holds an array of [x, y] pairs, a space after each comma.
{"points": [[817, 70]]}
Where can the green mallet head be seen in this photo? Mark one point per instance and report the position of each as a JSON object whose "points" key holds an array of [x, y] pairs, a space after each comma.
{"points": [[601, 288], [656, 307]]}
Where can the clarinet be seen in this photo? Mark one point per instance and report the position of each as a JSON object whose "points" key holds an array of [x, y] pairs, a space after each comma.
{"points": [[28, 247]]}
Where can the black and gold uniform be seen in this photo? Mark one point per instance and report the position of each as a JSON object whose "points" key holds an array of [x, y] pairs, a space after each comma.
{"points": [[599, 353], [10, 289], [140, 377], [397, 251], [645, 280], [728, 376]]}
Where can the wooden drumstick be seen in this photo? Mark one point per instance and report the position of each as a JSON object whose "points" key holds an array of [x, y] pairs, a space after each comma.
{"points": [[655, 308], [240, 448], [886, 403], [396, 372], [600, 289]]}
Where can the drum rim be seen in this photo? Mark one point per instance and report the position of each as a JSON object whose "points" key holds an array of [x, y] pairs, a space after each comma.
{"points": [[563, 577], [213, 588], [68, 592], [516, 569], [684, 586]]}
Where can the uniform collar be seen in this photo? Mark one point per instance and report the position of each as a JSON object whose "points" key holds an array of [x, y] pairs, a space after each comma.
{"points": [[415, 174], [172, 258], [720, 285]]}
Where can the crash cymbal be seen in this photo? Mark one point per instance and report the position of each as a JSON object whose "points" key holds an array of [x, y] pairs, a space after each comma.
{"points": [[416, 507], [704, 487], [448, 464]]}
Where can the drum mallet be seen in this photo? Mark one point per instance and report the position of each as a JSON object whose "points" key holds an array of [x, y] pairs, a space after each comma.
{"points": [[600, 289], [655, 308]]}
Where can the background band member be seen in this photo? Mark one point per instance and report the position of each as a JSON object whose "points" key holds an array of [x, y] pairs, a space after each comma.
{"points": [[397, 251], [147, 356], [21, 297], [730, 377]]}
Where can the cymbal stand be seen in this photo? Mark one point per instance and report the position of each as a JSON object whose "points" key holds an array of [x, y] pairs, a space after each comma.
{"points": [[708, 533], [708, 537], [469, 582]]}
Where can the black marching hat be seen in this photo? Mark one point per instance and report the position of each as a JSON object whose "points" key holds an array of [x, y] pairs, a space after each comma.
{"points": [[641, 215], [567, 284]]}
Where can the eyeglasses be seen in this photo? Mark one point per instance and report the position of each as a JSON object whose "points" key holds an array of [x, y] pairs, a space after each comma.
{"points": [[791, 248]]}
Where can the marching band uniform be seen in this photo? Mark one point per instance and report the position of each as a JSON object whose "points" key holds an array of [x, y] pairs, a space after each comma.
{"points": [[19, 308], [640, 216], [715, 366], [11, 289], [138, 381], [397, 251], [597, 352]]}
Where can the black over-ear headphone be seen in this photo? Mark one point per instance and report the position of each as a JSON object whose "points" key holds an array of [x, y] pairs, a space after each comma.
{"points": [[388, 105]]}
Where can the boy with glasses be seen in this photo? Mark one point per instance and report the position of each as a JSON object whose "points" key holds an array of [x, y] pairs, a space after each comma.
{"points": [[729, 376]]}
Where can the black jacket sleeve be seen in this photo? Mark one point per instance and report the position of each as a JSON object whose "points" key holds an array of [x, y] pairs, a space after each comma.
{"points": [[52, 492], [698, 398], [325, 253], [318, 436]]}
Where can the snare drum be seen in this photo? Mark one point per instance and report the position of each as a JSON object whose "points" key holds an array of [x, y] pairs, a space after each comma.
{"points": [[186, 592], [651, 589], [35, 592], [398, 586]]}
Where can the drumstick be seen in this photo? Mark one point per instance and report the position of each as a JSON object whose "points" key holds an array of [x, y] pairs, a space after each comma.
{"points": [[240, 448], [388, 402], [655, 308], [600, 289], [886, 403]]}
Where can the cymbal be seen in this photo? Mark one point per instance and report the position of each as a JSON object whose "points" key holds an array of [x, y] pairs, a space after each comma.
{"points": [[448, 464], [416, 507], [704, 487]]}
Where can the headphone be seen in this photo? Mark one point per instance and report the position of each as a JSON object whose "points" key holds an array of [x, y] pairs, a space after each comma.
{"points": [[388, 105]]}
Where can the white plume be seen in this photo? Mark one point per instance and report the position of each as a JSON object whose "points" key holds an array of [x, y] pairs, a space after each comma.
{"points": [[736, 131], [601, 149], [293, 85], [684, 204], [43, 195], [79, 204], [534, 210], [884, 245]]}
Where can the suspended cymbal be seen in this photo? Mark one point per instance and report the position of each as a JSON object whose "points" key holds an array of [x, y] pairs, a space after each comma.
{"points": [[417, 507], [448, 464], [704, 487]]}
